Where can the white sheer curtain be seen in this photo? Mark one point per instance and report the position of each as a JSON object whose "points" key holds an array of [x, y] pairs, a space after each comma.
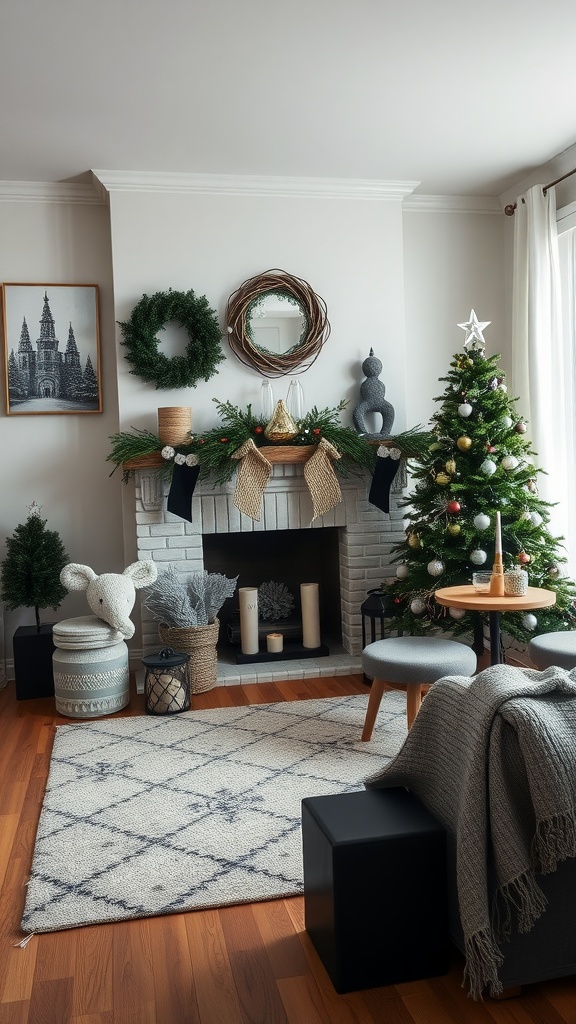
{"points": [[542, 367]]}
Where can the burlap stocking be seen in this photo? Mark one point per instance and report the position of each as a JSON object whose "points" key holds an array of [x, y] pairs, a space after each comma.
{"points": [[321, 479], [252, 479]]}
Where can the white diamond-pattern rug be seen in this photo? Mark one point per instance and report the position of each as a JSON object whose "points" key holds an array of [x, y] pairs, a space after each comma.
{"points": [[148, 815]]}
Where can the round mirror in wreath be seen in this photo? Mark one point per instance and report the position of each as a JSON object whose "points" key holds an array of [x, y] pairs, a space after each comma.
{"points": [[276, 323]]}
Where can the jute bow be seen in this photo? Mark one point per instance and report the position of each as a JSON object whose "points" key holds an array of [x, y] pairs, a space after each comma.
{"points": [[253, 476], [321, 479]]}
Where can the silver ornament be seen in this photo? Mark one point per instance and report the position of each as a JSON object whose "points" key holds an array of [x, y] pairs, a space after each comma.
{"points": [[417, 606], [402, 572], [478, 556], [435, 567], [488, 467], [465, 410], [529, 621], [509, 462], [457, 613], [506, 421], [481, 521]]}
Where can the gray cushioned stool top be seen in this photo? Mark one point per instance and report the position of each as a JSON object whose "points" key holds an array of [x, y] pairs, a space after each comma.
{"points": [[417, 659], [554, 649]]}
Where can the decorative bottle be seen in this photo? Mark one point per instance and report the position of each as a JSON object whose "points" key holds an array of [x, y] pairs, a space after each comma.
{"points": [[295, 400], [267, 405]]}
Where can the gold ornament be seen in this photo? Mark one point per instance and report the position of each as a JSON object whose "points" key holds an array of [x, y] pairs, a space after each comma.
{"points": [[413, 540], [281, 427], [464, 443], [451, 466], [453, 529], [442, 479]]}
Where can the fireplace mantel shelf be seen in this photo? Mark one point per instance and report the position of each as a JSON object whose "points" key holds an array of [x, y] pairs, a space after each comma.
{"points": [[276, 454]]}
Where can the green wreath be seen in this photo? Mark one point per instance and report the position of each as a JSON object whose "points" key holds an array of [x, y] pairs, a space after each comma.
{"points": [[203, 351]]}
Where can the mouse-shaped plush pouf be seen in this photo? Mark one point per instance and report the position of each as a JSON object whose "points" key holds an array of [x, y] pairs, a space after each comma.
{"points": [[90, 663]]}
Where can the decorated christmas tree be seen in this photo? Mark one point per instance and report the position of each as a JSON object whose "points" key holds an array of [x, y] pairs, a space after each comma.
{"points": [[478, 462], [30, 572]]}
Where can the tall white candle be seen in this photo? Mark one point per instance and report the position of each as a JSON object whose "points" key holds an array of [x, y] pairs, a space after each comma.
{"points": [[248, 599], [498, 545], [309, 600]]}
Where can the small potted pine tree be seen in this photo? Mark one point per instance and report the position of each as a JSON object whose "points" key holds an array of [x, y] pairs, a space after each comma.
{"points": [[30, 578]]}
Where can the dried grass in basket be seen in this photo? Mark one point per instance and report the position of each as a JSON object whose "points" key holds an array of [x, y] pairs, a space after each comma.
{"points": [[199, 642], [267, 363]]}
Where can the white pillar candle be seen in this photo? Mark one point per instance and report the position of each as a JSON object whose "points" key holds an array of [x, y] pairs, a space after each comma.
{"points": [[310, 614], [498, 540], [248, 598], [274, 643]]}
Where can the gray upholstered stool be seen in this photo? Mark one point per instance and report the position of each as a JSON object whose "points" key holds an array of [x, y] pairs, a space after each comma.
{"points": [[554, 649], [412, 664]]}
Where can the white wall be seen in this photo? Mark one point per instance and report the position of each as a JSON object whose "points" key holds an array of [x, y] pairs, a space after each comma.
{"points": [[392, 280], [59, 461], [453, 262], [349, 250]]}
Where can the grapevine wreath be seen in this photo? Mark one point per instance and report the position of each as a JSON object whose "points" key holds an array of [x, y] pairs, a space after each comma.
{"points": [[203, 351]]}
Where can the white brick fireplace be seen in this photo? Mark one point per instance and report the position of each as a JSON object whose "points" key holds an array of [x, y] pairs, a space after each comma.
{"points": [[366, 538]]}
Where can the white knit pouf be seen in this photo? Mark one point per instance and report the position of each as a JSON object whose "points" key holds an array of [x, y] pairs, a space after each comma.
{"points": [[90, 666]]}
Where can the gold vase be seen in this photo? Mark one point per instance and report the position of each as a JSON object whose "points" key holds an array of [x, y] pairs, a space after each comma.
{"points": [[281, 427]]}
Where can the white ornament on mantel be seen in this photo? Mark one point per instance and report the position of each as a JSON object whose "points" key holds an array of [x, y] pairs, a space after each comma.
{"points": [[457, 613], [435, 567], [474, 329], [481, 521], [402, 572], [465, 410], [478, 556]]}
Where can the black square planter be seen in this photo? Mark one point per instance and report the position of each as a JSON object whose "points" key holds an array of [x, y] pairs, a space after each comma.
{"points": [[33, 662]]}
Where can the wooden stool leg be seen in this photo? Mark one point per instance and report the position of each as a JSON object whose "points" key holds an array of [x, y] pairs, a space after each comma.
{"points": [[413, 702], [376, 691]]}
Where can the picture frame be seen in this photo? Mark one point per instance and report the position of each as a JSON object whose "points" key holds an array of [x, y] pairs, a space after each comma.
{"points": [[53, 368]]}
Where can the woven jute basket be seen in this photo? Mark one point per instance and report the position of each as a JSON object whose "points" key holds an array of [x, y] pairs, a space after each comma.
{"points": [[199, 642], [174, 424]]}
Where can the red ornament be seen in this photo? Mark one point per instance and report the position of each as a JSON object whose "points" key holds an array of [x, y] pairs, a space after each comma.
{"points": [[490, 448], [223, 440], [454, 507], [523, 557], [316, 431], [258, 430], [201, 441]]}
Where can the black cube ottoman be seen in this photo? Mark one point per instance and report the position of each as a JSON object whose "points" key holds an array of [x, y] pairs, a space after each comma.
{"points": [[375, 887]]}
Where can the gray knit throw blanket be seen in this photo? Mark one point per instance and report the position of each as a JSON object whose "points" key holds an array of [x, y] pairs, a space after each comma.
{"points": [[494, 758]]}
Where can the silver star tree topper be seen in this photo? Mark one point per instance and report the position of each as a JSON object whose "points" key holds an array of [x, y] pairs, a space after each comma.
{"points": [[474, 329]]}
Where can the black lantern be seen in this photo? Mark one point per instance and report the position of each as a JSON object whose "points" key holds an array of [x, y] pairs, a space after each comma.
{"points": [[373, 610], [167, 682]]}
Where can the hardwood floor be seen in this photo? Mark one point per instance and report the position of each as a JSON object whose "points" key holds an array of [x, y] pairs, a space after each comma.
{"points": [[250, 964]]}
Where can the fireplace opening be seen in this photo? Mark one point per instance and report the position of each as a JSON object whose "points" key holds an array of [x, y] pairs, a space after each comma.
{"points": [[288, 557]]}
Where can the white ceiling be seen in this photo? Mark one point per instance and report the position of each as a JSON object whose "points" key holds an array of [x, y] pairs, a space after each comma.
{"points": [[466, 97]]}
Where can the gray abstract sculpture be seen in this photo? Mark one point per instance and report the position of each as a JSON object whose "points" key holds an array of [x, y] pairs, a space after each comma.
{"points": [[372, 399]]}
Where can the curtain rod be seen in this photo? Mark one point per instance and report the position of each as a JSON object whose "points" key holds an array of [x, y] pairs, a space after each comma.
{"points": [[509, 210]]}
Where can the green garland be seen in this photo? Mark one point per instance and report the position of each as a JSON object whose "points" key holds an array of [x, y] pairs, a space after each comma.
{"points": [[203, 351], [213, 450]]}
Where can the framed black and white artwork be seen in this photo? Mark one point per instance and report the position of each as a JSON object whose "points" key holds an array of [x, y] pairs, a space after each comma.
{"points": [[52, 349]]}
